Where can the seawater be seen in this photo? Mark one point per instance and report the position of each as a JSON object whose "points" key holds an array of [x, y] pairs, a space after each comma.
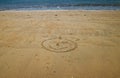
{"points": [[59, 4]]}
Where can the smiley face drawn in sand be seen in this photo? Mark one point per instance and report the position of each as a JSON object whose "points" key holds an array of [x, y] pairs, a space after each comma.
{"points": [[59, 45]]}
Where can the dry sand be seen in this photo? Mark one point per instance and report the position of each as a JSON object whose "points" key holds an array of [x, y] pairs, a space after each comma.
{"points": [[60, 44]]}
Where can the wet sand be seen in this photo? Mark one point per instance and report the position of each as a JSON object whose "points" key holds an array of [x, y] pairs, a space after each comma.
{"points": [[59, 44]]}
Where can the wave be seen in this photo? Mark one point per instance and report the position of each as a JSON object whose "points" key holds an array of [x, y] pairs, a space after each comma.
{"points": [[59, 6]]}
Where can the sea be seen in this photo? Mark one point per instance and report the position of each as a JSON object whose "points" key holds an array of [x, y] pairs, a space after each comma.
{"points": [[59, 5]]}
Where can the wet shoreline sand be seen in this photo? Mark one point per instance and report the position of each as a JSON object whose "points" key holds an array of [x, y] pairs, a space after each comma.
{"points": [[60, 44]]}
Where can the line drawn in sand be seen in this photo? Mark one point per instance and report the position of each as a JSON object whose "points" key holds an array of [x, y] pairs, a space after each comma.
{"points": [[59, 45]]}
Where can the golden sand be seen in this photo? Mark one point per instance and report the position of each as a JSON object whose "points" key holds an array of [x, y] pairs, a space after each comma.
{"points": [[60, 44]]}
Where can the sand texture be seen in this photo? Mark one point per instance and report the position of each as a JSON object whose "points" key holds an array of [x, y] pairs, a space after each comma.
{"points": [[60, 44]]}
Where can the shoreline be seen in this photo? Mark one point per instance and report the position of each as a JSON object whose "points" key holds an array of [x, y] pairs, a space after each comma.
{"points": [[50, 10]]}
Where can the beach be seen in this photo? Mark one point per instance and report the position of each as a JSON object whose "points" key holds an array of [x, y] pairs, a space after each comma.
{"points": [[60, 44]]}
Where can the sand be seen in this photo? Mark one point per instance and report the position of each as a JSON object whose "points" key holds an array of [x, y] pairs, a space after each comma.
{"points": [[60, 44]]}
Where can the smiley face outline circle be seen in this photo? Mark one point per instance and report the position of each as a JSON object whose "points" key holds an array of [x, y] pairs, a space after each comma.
{"points": [[59, 45]]}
